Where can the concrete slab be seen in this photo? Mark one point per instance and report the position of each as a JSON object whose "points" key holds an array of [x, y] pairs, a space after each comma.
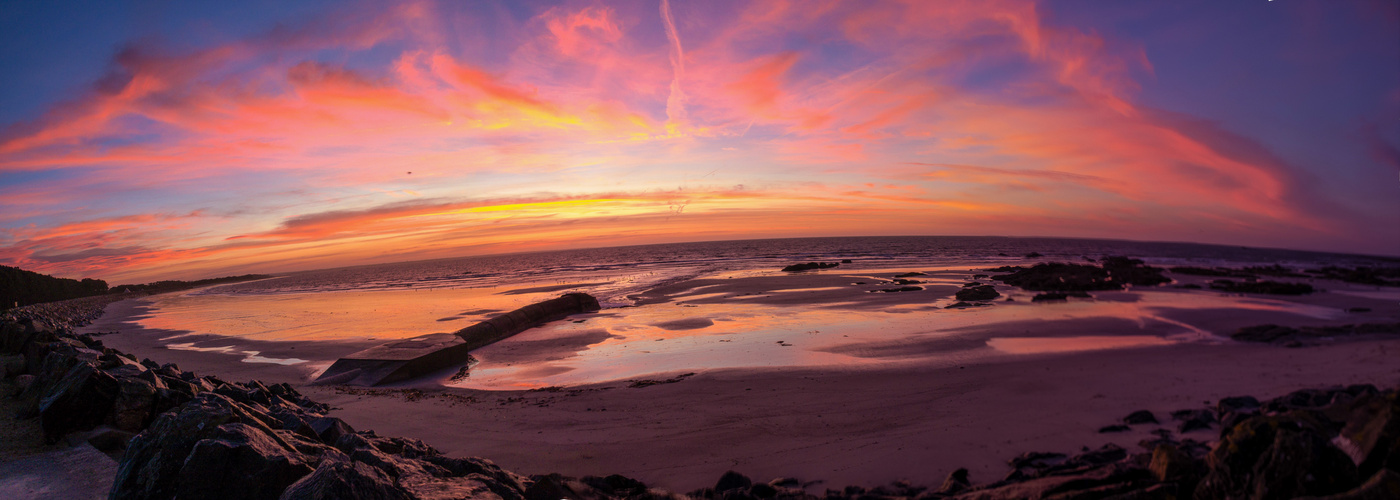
{"points": [[414, 357]]}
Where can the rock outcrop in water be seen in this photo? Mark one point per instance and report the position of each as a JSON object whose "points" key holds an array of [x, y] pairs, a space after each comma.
{"points": [[977, 292], [1265, 287], [1309, 335], [810, 266], [1112, 274]]}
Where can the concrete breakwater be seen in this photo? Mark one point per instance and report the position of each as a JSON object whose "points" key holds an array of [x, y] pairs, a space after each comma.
{"points": [[414, 357]]}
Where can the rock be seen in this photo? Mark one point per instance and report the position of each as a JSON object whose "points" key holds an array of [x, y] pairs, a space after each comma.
{"points": [[1371, 435], [1236, 405], [1264, 333], [13, 338], [1105, 454], [1114, 428], [80, 401], [155, 457], [1193, 420], [616, 485], [23, 382], [1033, 255], [1170, 464], [964, 305], [334, 480], [762, 490], [809, 266], [133, 408], [1060, 277], [470, 466], [956, 481], [1312, 334], [12, 365], [1383, 485], [910, 274], [980, 292], [1096, 482], [241, 455], [329, 429], [1276, 456], [1300, 463], [732, 481], [1265, 287], [1140, 417], [900, 289], [556, 487]]}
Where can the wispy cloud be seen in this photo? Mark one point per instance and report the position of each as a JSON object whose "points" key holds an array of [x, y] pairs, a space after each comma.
{"points": [[357, 132]]}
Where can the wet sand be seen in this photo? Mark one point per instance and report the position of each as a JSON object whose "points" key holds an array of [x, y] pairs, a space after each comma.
{"points": [[912, 406]]}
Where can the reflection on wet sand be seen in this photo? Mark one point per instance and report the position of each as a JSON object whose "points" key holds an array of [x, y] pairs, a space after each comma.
{"points": [[704, 325], [1047, 345], [751, 319]]}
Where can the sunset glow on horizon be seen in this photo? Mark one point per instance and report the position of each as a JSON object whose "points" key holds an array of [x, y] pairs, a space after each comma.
{"points": [[183, 141]]}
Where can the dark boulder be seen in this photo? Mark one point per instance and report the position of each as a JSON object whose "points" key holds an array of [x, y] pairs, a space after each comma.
{"points": [[239, 461], [79, 401], [329, 429], [13, 337], [133, 407], [1061, 277], [155, 457], [1277, 456], [980, 292], [809, 266], [1140, 417], [1193, 419], [335, 480], [1171, 464], [965, 305], [956, 481], [732, 481], [616, 485], [1237, 404], [1264, 287], [762, 490]]}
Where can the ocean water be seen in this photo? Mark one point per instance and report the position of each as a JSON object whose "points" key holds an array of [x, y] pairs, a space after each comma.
{"points": [[745, 313], [637, 268]]}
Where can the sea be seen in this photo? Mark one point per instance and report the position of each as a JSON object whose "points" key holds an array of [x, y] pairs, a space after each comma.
{"points": [[637, 268], [839, 322]]}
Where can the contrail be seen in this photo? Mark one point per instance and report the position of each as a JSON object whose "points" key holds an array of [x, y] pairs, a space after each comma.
{"points": [[675, 103]]}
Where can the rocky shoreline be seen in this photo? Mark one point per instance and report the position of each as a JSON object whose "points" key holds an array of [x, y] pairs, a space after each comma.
{"points": [[183, 435]]}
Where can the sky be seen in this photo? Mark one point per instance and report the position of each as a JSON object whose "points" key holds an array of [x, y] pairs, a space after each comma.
{"points": [[180, 140]]}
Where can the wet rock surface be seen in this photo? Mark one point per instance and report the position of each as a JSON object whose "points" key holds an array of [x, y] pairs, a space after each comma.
{"points": [[977, 292], [1264, 287], [807, 266], [1308, 335], [1112, 273]]}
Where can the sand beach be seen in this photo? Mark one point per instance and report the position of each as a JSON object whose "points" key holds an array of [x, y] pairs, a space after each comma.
{"points": [[892, 386]]}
